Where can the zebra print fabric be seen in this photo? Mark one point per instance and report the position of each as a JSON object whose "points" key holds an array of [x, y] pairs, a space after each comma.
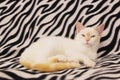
{"points": [[22, 22]]}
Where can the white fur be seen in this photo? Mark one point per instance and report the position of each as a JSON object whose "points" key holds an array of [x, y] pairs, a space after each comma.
{"points": [[76, 50]]}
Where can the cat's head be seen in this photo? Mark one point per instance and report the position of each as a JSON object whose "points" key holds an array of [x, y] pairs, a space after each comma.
{"points": [[88, 35]]}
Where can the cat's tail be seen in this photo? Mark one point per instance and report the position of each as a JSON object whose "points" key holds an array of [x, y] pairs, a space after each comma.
{"points": [[51, 66]]}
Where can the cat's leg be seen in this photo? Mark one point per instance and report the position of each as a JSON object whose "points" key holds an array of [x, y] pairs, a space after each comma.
{"points": [[63, 58], [58, 58], [82, 58], [72, 59], [88, 62]]}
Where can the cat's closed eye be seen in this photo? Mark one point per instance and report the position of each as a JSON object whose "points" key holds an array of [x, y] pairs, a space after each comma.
{"points": [[92, 36], [83, 35]]}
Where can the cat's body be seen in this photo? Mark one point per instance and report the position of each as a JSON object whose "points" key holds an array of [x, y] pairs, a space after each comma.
{"points": [[57, 53]]}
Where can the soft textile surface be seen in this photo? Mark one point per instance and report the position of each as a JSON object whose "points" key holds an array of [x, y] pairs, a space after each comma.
{"points": [[22, 22]]}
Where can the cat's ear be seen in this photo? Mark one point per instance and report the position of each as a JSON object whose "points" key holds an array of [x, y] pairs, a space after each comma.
{"points": [[79, 26], [100, 28]]}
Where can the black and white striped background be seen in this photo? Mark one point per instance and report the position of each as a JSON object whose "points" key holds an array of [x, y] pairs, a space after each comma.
{"points": [[22, 22]]}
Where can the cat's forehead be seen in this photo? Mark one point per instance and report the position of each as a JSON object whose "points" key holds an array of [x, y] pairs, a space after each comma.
{"points": [[89, 31]]}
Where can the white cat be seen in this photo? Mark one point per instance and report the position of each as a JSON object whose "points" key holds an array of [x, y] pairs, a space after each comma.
{"points": [[58, 53]]}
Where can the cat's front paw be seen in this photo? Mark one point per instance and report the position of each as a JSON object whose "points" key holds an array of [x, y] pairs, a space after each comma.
{"points": [[90, 64]]}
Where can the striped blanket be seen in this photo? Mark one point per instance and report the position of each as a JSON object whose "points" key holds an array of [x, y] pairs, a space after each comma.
{"points": [[23, 22]]}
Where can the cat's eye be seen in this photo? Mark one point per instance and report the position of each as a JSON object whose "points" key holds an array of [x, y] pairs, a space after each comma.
{"points": [[92, 36], [83, 35]]}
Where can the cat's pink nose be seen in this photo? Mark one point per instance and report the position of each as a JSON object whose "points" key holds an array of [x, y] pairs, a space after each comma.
{"points": [[87, 42]]}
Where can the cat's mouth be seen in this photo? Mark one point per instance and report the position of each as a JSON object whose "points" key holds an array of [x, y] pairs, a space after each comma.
{"points": [[88, 44]]}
